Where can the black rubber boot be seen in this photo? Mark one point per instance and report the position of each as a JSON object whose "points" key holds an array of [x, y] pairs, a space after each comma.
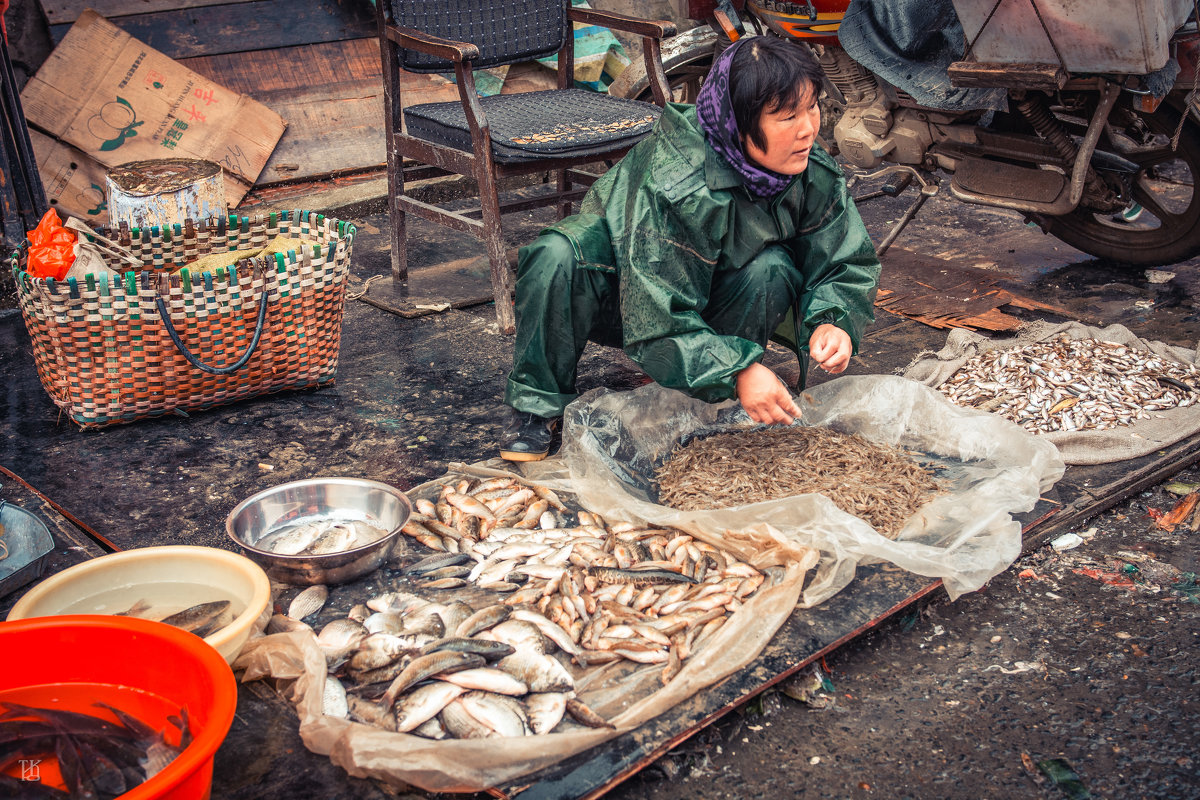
{"points": [[527, 437]]}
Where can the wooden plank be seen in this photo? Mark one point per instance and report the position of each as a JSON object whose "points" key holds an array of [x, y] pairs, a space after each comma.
{"points": [[331, 96], [238, 27], [308, 66], [329, 131], [62, 11]]}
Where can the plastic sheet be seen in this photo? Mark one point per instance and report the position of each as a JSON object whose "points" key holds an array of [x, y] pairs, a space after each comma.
{"points": [[612, 443], [625, 693]]}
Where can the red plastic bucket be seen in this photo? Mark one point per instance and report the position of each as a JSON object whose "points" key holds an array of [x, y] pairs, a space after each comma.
{"points": [[146, 668]]}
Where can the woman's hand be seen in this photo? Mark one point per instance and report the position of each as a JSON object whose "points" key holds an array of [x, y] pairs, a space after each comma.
{"points": [[830, 348], [764, 396]]}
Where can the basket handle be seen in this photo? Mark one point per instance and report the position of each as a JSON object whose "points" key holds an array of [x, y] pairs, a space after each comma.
{"points": [[197, 363]]}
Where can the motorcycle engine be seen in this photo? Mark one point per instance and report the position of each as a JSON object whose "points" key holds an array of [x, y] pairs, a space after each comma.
{"points": [[872, 126]]}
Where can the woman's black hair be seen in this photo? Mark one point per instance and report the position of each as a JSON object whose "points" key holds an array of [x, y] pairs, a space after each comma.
{"points": [[769, 73]]}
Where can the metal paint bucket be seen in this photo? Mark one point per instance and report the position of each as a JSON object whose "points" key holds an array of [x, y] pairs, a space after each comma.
{"points": [[165, 192]]}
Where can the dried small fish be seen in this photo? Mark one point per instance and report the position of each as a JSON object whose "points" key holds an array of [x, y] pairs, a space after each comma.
{"points": [[876, 483], [1064, 384]]}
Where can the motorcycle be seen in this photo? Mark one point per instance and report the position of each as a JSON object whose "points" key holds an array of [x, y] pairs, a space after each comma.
{"points": [[1083, 144]]}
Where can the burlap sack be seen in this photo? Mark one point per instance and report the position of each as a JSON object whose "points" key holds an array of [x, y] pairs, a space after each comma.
{"points": [[1144, 436]]}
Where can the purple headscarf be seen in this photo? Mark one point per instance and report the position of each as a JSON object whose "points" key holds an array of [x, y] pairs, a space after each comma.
{"points": [[715, 112]]}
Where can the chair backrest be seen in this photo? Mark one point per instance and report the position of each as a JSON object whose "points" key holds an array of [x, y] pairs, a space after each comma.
{"points": [[505, 31]]}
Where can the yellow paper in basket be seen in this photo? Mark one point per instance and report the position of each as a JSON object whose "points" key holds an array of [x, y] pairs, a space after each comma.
{"points": [[215, 261]]}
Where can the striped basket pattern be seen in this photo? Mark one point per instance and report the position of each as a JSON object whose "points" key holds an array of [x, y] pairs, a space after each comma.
{"points": [[162, 340]]}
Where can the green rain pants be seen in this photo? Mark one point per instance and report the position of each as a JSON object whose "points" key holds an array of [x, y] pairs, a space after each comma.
{"points": [[561, 305]]}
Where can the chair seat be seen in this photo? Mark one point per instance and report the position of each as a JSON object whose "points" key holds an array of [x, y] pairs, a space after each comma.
{"points": [[588, 123]]}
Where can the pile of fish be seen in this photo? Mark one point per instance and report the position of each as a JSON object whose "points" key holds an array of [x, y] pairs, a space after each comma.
{"points": [[592, 592], [645, 594], [878, 483], [317, 537], [98, 758], [438, 670], [1066, 384]]}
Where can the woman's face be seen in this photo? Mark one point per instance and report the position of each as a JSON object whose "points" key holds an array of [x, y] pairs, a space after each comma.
{"points": [[790, 133]]}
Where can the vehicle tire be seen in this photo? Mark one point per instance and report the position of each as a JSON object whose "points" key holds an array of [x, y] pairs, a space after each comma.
{"points": [[686, 60], [1168, 229]]}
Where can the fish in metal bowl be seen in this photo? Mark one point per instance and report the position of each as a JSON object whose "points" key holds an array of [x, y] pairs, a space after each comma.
{"points": [[320, 530]]}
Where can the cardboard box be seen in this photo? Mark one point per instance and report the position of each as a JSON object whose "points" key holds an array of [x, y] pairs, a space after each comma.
{"points": [[74, 181], [118, 100]]}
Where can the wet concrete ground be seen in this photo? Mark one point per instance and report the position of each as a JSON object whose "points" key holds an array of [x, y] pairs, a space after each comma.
{"points": [[932, 704]]}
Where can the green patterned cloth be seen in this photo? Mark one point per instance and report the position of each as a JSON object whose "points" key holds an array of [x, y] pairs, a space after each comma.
{"points": [[599, 56]]}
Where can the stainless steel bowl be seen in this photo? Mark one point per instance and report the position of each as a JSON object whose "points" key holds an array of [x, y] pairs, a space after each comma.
{"points": [[315, 499]]}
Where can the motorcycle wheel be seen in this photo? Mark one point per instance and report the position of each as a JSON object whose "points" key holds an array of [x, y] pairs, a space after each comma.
{"points": [[684, 77], [1167, 230]]}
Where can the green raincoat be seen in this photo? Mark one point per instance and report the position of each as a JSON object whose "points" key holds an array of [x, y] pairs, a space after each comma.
{"points": [[667, 222]]}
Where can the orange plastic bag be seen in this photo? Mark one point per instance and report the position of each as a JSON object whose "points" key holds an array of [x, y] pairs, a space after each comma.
{"points": [[51, 248]]}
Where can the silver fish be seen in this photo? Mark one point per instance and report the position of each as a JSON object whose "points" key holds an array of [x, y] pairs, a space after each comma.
{"points": [[437, 561], [282, 623], [540, 672], [334, 702], [431, 729], [400, 602], [426, 666], [461, 724], [488, 648], [335, 540], [308, 602], [424, 703], [293, 539], [453, 615], [502, 714], [545, 710], [520, 634], [488, 679], [384, 622], [342, 633], [554, 633], [202, 619], [371, 713], [339, 640], [482, 619]]}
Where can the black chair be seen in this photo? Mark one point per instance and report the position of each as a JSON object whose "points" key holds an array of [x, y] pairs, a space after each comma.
{"points": [[489, 138]]}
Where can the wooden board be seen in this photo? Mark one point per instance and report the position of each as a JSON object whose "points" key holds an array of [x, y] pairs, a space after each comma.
{"points": [[308, 66], [330, 131], [239, 27], [943, 294], [331, 95], [61, 11]]}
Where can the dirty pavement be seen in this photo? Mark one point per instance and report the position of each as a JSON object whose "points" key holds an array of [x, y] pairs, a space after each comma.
{"points": [[1073, 673]]}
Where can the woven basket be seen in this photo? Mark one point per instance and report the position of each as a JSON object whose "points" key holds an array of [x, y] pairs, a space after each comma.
{"points": [[162, 340]]}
